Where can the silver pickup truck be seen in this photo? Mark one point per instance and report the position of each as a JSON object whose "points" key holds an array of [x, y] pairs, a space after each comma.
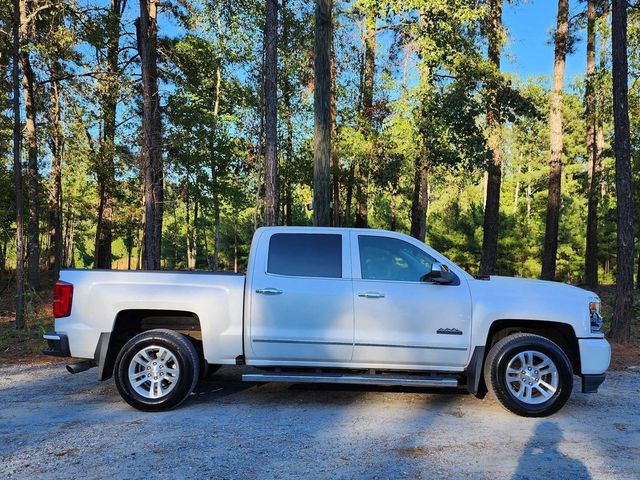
{"points": [[332, 305]]}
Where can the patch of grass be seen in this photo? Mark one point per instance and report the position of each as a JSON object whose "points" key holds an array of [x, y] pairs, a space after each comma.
{"points": [[26, 344], [26, 340]]}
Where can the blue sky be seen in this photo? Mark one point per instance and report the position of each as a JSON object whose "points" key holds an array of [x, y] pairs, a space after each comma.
{"points": [[529, 52]]}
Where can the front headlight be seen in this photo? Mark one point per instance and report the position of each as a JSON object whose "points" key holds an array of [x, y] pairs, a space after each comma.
{"points": [[594, 315]]}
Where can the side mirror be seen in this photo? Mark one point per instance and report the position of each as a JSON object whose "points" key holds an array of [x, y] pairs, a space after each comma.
{"points": [[439, 274]]}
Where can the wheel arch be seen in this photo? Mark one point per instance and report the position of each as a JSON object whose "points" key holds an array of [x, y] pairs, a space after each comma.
{"points": [[129, 323], [563, 334]]}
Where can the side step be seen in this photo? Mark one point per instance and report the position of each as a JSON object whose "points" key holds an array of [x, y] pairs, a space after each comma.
{"points": [[355, 379]]}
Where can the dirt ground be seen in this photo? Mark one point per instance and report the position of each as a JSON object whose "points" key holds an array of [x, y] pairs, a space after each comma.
{"points": [[57, 425]]}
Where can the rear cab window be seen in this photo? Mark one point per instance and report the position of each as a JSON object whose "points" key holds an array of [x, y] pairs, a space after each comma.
{"points": [[305, 255]]}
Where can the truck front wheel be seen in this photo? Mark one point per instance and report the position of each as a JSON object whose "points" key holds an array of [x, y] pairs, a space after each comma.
{"points": [[529, 375], [156, 370]]}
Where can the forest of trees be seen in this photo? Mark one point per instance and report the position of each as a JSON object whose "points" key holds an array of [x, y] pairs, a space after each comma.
{"points": [[160, 135]]}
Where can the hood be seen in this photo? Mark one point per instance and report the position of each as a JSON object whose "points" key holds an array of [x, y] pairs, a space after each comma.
{"points": [[527, 299], [536, 287]]}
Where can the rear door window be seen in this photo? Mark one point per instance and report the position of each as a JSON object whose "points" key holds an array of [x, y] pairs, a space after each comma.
{"points": [[305, 255]]}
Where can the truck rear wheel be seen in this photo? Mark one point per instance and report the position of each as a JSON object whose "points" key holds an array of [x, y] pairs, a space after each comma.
{"points": [[156, 370], [529, 375]]}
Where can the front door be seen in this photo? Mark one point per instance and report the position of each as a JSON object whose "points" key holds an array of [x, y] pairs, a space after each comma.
{"points": [[302, 300], [399, 319]]}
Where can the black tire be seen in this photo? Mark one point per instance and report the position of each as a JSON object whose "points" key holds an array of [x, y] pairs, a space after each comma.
{"points": [[495, 368], [185, 356]]}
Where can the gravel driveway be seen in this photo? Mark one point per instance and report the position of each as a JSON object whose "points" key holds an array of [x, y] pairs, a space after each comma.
{"points": [[56, 425]]}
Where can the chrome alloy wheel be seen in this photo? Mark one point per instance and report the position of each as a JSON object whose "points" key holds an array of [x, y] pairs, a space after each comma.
{"points": [[153, 372], [532, 377]]}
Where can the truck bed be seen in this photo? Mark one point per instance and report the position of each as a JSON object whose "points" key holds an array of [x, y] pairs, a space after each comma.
{"points": [[105, 300]]}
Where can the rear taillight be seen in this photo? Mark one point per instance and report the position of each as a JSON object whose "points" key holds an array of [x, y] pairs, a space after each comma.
{"points": [[62, 298]]}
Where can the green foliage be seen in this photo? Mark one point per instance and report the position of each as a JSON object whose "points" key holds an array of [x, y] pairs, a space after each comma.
{"points": [[432, 85]]}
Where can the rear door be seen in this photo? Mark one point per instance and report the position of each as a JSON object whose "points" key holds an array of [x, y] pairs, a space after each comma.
{"points": [[301, 307]]}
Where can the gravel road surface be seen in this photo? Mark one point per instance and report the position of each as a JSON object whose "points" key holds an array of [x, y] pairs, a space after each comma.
{"points": [[57, 425]]}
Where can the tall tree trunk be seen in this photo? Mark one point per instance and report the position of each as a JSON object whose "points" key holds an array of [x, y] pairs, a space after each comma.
{"points": [[335, 165], [528, 195], [214, 265], [349, 193], [420, 198], [622, 312], [286, 94], [353, 162], [489, 255], [216, 233], [556, 143], [152, 164], [322, 115], [591, 251], [17, 168], [600, 100], [3, 255], [235, 248], [175, 233], [55, 195], [194, 236], [516, 193], [109, 91], [129, 245], [362, 182], [138, 250], [393, 225], [28, 88], [191, 247], [271, 111]]}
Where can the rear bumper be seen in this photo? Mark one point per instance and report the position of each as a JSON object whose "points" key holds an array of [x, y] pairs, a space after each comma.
{"points": [[57, 345]]}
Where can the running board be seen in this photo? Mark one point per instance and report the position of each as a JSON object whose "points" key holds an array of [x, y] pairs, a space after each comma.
{"points": [[380, 379]]}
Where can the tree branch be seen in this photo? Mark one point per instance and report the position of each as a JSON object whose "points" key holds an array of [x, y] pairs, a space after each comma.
{"points": [[72, 75], [35, 13]]}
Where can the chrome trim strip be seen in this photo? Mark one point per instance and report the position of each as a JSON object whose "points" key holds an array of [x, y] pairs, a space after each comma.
{"points": [[384, 380], [51, 337], [302, 342], [426, 347], [357, 344]]}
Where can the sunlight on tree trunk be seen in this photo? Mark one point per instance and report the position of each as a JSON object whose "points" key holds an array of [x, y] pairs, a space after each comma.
{"points": [[109, 88], [591, 251], [622, 313], [271, 112], [420, 199], [489, 255], [28, 88], [364, 166], [322, 117], [556, 142], [55, 195], [152, 164], [17, 169]]}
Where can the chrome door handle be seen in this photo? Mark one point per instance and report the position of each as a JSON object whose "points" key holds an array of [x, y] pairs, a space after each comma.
{"points": [[371, 294], [269, 291]]}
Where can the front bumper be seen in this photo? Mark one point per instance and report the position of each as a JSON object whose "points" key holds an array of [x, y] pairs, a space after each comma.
{"points": [[595, 356], [590, 383], [57, 344]]}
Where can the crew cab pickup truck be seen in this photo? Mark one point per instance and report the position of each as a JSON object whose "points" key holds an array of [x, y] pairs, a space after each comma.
{"points": [[333, 305]]}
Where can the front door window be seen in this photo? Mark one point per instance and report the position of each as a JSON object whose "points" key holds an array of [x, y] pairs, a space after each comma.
{"points": [[390, 259]]}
